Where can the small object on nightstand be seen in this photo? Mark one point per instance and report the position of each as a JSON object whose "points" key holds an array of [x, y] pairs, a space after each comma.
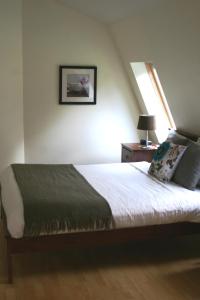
{"points": [[133, 152], [143, 142]]}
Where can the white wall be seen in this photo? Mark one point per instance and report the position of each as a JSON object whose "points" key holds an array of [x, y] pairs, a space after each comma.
{"points": [[11, 98], [168, 35], [53, 35]]}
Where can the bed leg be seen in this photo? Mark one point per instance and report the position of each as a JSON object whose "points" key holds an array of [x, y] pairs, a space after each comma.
{"points": [[9, 264]]}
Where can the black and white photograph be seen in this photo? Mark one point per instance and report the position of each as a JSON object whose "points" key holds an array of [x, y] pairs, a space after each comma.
{"points": [[78, 85]]}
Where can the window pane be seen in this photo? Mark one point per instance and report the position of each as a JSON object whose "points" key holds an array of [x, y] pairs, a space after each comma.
{"points": [[153, 98]]}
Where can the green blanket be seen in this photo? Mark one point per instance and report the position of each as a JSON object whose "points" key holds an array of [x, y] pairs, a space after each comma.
{"points": [[58, 197]]}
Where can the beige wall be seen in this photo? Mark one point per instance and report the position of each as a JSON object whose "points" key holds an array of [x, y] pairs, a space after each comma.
{"points": [[168, 35], [55, 35], [11, 98]]}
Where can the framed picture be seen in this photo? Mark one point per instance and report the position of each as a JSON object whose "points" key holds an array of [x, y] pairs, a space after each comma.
{"points": [[77, 84]]}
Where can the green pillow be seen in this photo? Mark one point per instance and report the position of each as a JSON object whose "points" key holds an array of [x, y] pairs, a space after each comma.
{"points": [[187, 172]]}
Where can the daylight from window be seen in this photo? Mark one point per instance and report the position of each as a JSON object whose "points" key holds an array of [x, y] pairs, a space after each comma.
{"points": [[153, 97]]}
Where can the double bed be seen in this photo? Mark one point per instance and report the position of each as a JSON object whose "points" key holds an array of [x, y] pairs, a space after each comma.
{"points": [[141, 207]]}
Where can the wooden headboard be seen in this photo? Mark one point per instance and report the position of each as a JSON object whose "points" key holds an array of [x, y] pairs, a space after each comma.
{"points": [[189, 135]]}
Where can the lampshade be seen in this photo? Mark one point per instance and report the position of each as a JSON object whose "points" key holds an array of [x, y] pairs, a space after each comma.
{"points": [[146, 122]]}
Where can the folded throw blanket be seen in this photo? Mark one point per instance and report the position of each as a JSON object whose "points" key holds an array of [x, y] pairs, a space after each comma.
{"points": [[58, 197]]}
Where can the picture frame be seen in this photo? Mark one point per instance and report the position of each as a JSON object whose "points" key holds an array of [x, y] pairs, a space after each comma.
{"points": [[77, 84]]}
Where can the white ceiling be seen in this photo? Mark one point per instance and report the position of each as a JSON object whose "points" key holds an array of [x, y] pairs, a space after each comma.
{"points": [[110, 11]]}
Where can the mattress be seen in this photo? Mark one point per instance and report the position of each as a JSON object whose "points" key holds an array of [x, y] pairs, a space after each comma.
{"points": [[135, 198]]}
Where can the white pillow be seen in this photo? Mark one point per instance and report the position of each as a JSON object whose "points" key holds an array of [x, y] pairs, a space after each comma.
{"points": [[176, 138]]}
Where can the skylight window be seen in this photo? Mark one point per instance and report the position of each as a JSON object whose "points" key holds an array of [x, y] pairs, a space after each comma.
{"points": [[153, 97]]}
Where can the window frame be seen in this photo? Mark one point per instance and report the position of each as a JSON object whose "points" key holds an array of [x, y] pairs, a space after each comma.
{"points": [[160, 93]]}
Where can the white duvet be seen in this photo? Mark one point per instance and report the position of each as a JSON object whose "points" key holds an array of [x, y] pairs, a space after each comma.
{"points": [[136, 199]]}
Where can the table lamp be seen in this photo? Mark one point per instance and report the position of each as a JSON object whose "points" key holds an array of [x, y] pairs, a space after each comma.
{"points": [[146, 122]]}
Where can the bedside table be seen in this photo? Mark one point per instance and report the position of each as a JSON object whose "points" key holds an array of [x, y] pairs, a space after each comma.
{"points": [[132, 152]]}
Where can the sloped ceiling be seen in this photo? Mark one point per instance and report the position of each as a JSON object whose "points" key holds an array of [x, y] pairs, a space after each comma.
{"points": [[110, 11]]}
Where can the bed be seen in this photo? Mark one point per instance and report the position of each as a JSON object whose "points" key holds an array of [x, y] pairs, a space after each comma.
{"points": [[143, 210]]}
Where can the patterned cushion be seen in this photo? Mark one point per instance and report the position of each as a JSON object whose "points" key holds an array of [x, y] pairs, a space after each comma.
{"points": [[165, 160]]}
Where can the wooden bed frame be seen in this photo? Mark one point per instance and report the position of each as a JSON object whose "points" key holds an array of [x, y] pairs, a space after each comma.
{"points": [[85, 239]]}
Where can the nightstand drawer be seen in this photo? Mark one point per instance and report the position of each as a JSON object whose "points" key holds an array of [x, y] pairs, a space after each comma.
{"points": [[143, 155], [126, 155]]}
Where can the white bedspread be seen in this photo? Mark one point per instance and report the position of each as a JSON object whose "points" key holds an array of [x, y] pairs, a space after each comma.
{"points": [[136, 199]]}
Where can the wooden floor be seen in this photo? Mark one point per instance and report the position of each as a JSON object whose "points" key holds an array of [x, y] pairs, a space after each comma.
{"points": [[146, 270]]}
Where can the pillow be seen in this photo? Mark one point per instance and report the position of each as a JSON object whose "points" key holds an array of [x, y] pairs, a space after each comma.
{"points": [[187, 173], [198, 142], [165, 160], [176, 138]]}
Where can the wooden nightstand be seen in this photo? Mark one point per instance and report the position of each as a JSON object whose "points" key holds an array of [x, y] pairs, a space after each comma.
{"points": [[132, 152]]}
